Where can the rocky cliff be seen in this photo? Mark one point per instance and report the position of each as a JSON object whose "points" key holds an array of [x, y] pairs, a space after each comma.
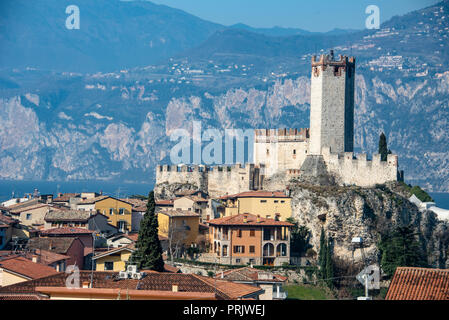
{"points": [[348, 212]]}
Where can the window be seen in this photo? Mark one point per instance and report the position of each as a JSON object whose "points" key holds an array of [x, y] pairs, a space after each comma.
{"points": [[237, 260], [121, 211], [276, 201], [282, 201], [252, 249], [239, 249], [28, 217], [268, 152], [294, 151], [239, 233], [122, 226], [111, 211], [252, 261], [109, 266], [263, 201], [252, 233]]}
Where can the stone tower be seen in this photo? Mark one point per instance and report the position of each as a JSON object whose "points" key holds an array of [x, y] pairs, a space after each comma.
{"points": [[332, 104]]}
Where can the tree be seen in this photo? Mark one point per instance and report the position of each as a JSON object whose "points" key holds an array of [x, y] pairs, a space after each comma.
{"points": [[401, 248], [383, 147], [322, 254], [329, 265], [176, 235], [299, 240], [148, 253], [325, 261]]}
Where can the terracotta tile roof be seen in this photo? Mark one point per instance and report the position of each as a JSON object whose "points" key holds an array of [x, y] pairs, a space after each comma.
{"points": [[152, 281], [99, 198], [93, 200], [28, 208], [257, 194], [194, 198], [55, 244], [164, 202], [65, 231], [179, 213], [130, 247], [419, 284], [67, 215], [126, 294], [6, 296], [48, 257], [26, 267], [231, 289], [23, 204], [132, 236], [251, 220], [248, 274], [66, 197], [7, 220]]}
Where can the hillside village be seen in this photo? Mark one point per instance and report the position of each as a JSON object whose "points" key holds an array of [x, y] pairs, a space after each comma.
{"points": [[306, 211]]}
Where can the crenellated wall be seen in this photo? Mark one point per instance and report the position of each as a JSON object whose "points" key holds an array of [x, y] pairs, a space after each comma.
{"points": [[215, 180], [359, 170]]}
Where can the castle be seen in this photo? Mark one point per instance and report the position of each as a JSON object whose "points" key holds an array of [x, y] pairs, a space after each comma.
{"points": [[327, 148]]}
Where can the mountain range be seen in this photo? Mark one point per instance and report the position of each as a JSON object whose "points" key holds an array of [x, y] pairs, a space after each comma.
{"points": [[100, 102]]}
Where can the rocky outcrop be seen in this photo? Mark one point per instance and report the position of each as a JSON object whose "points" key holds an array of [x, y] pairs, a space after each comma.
{"points": [[348, 212]]}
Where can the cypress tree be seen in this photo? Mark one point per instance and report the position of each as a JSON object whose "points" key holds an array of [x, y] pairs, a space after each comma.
{"points": [[383, 147], [322, 255], [148, 253], [329, 265]]}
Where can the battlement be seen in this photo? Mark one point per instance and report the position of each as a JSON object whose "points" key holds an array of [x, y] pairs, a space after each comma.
{"points": [[360, 159], [215, 180], [281, 135], [359, 170], [339, 67], [329, 60]]}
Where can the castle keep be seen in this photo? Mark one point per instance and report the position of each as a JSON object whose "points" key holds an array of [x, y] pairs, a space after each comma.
{"points": [[326, 148]]}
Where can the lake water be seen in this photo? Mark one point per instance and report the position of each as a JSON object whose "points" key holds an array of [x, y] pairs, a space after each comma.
{"points": [[441, 199], [115, 189]]}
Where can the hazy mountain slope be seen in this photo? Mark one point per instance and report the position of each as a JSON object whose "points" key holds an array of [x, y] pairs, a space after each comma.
{"points": [[113, 34]]}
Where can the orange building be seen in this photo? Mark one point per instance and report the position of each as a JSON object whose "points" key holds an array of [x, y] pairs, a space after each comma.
{"points": [[249, 239]]}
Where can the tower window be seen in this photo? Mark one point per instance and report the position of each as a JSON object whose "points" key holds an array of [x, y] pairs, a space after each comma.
{"points": [[294, 151], [268, 152]]}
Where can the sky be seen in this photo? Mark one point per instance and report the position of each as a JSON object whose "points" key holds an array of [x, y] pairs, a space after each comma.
{"points": [[312, 15]]}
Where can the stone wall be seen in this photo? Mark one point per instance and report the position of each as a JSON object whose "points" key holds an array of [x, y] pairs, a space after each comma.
{"points": [[215, 180], [360, 171], [280, 149]]}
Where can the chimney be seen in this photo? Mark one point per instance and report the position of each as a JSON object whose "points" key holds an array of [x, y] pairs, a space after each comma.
{"points": [[174, 288], [258, 218], [35, 258], [245, 219], [222, 274], [86, 284]]}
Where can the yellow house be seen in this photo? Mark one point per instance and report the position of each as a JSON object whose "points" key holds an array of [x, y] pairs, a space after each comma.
{"points": [[115, 259], [119, 212], [181, 225], [267, 204]]}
